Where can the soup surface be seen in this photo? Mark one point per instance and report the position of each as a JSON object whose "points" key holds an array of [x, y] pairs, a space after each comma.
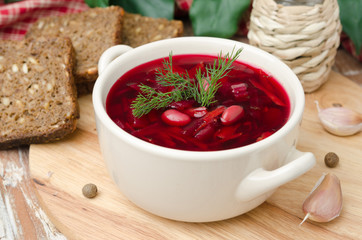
{"points": [[250, 106]]}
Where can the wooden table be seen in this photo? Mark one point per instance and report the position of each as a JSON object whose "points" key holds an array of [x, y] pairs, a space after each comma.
{"points": [[21, 216]]}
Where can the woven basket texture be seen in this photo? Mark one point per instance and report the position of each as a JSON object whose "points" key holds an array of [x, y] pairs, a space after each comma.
{"points": [[306, 38]]}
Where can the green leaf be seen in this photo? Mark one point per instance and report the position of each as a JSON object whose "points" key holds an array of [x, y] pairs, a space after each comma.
{"points": [[154, 8], [97, 3], [12, 1], [351, 19], [217, 18]]}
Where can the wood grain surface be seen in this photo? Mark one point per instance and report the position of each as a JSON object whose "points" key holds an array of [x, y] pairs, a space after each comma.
{"points": [[60, 170], [21, 216]]}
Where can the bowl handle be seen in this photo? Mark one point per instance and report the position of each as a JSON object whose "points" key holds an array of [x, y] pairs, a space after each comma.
{"points": [[261, 181], [110, 54]]}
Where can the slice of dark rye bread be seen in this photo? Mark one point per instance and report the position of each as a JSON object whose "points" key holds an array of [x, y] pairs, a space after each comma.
{"points": [[91, 31], [138, 30], [38, 101]]}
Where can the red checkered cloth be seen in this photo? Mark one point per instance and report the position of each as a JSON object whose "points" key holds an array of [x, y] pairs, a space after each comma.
{"points": [[16, 18]]}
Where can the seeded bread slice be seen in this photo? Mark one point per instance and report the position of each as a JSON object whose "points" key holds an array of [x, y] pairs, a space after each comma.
{"points": [[91, 32], [38, 101], [138, 30]]}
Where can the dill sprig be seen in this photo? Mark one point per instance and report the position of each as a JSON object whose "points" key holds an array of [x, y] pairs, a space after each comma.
{"points": [[220, 68], [150, 99], [203, 91]]}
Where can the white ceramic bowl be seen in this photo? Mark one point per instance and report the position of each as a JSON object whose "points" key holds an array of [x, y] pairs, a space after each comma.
{"points": [[198, 186]]}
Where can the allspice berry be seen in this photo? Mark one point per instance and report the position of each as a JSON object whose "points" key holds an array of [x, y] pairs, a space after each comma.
{"points": [[90, 190], [331, 159]]}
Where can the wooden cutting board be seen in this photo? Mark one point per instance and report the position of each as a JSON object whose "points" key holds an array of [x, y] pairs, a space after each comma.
{"points": [[61, 169]]}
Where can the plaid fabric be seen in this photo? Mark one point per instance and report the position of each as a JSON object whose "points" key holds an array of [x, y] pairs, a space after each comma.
{"points": [[16, 18]]}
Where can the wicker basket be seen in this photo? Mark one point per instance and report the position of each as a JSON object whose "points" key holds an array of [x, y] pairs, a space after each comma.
{"points": [[306, 38]]}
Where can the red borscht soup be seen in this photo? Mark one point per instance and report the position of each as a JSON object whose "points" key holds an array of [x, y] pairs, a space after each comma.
{"points": [[250, 106]]}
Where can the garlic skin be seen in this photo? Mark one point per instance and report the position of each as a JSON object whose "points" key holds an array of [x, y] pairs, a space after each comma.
{"points": [[324, 203], [340, 121]]}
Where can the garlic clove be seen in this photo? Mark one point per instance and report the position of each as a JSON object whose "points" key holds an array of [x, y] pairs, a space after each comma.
{"points": [[340, 121], [324, 203]]}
